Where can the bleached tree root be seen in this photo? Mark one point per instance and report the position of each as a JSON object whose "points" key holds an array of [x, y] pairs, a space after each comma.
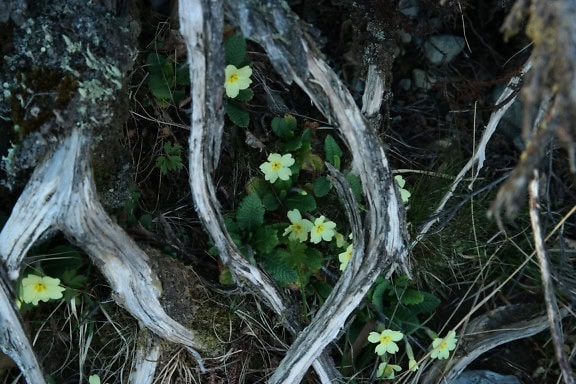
{"points": [[61, 196], [146, 359], [14, 341], [379, 239], [498, 327]]}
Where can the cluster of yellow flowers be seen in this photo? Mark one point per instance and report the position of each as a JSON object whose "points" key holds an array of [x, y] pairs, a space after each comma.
{"points": [[386, 344]]}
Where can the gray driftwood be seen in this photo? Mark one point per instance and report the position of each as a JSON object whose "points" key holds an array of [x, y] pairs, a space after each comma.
{"points": [[379, 238]]}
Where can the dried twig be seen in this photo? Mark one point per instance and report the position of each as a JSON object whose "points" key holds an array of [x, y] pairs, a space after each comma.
{"points": [[554, 317]]}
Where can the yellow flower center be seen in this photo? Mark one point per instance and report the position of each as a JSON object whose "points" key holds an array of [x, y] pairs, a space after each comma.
{"points": [[297, 227], [442, 345], [40, 287], [276, 165], [385, 339], [233, 78], [320, 228]]}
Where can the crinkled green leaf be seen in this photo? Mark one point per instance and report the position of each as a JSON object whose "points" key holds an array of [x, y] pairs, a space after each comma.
{"points": [[428, 304], [412, 297], [237, 115], [270, 202], [322, 186], [235, 50], [250, 213], [282, 128], [245, 95], [332, 151], [159, 87], [304, 203], [276, 265], [265, 239]]}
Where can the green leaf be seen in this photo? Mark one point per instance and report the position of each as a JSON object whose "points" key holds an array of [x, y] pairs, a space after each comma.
{"points": [[250, 213], [245, 95], [312, 162], [171, 161], [182, 75], [265, 239], [291, 145], [378, 294], [428, 304], [159, 87], [355, 186], [258, 186], [304, 203], [282, 128], [270, 202], [276, 265], [307, 136], [296, 254], [159, 65], [146, 221], [322, 288], [235, 50], [237, 115], [73, 280], [313, 260], [412, 297], [332, 151], [322, 186]]}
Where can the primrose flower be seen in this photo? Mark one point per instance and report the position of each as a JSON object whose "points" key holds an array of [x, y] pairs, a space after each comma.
{"points": [[387, 371], [35, 288], [412, 365], [387, 341], [442, 347], [299, 228], [94, 379], [404, 194], [339, 239], [277, 167], [236, 79], [345, 257], [323, 230]]}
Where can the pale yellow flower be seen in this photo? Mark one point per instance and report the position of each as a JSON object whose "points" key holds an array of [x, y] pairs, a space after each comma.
{"points": [[323, 230], [35, 288], [345, 257], [299, 228], [236, 79], [94, 379], [386, 341], [442, 347], [388, 371], [277, 167]]}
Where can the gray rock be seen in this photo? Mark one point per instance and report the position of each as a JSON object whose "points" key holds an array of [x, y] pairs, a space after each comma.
{"points": [[405, 84], [442, 49], [409, 8], [485, 377], [421, 79]]}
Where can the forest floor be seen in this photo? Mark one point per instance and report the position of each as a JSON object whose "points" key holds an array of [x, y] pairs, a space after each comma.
{"points": [[430, 129]]}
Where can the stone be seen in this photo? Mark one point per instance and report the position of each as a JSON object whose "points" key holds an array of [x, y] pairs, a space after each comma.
{"points": [[485, 377], [421, 79], [442, 49]]}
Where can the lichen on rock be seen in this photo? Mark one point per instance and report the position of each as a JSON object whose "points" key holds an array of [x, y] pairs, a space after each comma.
{"points": [[66, 69]]}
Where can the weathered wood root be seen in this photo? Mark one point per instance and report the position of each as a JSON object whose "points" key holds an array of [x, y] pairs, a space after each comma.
{"points": [[61, 195], [379, 242], [500, 326]]}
